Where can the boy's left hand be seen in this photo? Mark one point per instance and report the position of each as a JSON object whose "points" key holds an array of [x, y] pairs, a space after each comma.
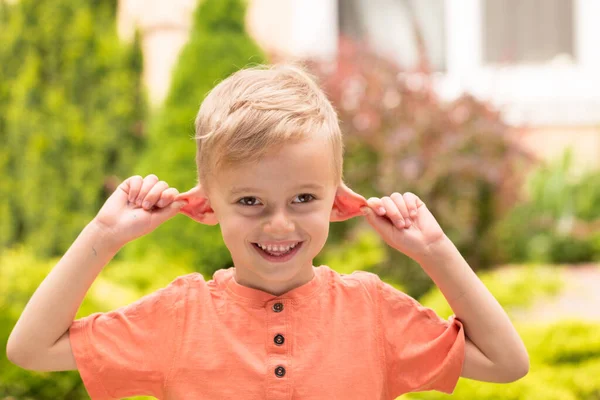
{"points": [[404, 222]]}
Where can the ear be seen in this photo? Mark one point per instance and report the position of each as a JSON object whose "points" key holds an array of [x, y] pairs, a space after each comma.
{"points": [[198, 206], [346, 204]]}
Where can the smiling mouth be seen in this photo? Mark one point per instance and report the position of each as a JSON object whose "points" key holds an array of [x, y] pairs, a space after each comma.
{"points": [[278, 255]]}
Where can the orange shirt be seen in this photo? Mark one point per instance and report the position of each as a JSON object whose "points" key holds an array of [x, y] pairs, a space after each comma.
{"points": [[336, 337]]}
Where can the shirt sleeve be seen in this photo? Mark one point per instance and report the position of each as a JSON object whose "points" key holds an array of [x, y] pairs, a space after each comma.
{"points": [[129, 351], [422, 351]]}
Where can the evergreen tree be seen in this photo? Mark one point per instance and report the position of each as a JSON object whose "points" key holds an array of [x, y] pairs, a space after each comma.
{"points": [[71, 103], [218, 46]]}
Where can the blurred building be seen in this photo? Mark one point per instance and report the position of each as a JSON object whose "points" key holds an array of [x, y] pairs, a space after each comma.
{"points": [[538, 60], [164, 26]]}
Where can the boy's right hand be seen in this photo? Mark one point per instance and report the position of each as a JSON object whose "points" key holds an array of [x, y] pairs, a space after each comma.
{"points": [[137, 207]]}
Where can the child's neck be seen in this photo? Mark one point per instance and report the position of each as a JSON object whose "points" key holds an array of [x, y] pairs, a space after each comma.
{"points": [[245, 277]]}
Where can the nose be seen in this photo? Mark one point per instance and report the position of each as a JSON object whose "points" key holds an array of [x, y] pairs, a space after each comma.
{"points": [[279, 223]]}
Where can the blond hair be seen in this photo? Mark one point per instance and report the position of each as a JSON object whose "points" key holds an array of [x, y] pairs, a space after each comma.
{"points": [[259, 109]]}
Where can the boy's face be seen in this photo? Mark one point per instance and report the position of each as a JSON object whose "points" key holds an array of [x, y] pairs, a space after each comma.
{"points": [[289, 197]]}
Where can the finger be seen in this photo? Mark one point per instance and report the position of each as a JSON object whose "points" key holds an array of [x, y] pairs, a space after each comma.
{"points": [[401, 204], [392, 212], [167, 197], [412, 202], [149, 182], [154, 194], [135, 184], [375, 204]]}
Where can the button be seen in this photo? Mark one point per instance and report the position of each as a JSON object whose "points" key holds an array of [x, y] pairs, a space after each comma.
{"points": [[279, 340], [278, 307], [280, 372]]}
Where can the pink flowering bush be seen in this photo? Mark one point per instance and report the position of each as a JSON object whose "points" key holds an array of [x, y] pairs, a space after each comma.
{"points": [[459, 156]]}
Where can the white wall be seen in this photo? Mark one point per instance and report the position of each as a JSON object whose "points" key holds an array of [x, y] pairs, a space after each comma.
{"points": [[164, 26]]}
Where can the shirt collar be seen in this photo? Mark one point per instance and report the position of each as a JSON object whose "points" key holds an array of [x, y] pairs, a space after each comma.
{"points": [[225, 278]]}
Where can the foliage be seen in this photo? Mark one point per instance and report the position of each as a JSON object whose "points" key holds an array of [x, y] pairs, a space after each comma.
{"points": [[565, 365], [587, 197], [71, 107], [361, 252], [559, 193], [564, 355], [459, 157], [559, 221], [218, 47], [119, 284]]}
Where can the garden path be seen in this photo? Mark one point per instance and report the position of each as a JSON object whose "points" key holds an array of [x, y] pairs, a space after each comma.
{"points": [[580, 298]]}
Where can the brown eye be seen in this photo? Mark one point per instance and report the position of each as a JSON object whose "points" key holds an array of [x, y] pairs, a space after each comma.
{"points": [[248, 201], [306, 196]]}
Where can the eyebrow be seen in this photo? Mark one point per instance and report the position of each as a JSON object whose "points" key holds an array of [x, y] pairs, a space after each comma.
{"points": [[237, 190]]}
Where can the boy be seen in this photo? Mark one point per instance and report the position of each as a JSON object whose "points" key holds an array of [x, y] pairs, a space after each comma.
{"points": [[269, 158]]}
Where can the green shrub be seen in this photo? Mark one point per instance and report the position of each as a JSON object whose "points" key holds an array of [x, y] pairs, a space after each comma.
{"points": [[565, 365], [564, 355], [557, 191], [571, 250], [71, 107], [587, 197], [558, 223], [219, 46]]}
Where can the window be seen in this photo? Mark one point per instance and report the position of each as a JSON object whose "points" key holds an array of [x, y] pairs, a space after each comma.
{"points": [[387, 25], [526, 31]]}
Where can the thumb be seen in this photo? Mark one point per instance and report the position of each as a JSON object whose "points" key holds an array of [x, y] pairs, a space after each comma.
{"points": [[171, 210]]}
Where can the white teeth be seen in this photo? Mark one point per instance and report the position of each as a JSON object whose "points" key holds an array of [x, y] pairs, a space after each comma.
{"points": [[277, 248]]}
